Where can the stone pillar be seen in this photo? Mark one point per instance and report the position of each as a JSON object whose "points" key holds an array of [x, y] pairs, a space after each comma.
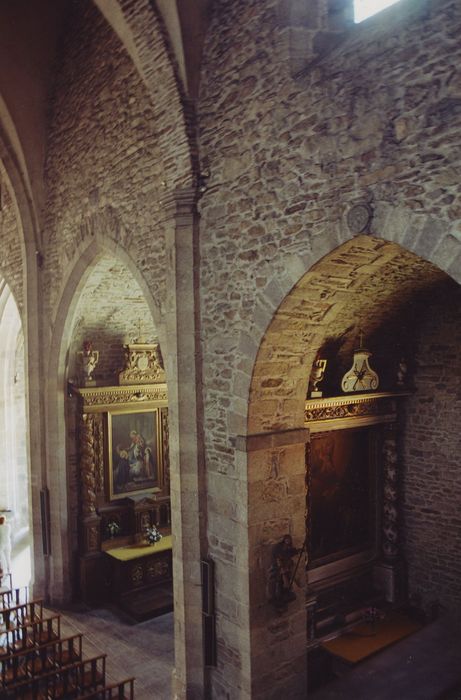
{"points": [[276, 507], [188, 493], [389, 573]]}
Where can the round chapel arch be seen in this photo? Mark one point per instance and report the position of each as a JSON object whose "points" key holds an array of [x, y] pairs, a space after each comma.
{"points": [[377, 289]]}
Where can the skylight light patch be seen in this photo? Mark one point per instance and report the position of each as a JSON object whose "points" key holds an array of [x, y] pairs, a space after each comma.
{"points": [[367, 8]]}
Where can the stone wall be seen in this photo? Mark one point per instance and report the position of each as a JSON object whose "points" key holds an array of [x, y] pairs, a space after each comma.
{"points": [[11, 256], [108, 312], [431, 448], [377, 119], [103, 167], [288, 157]]}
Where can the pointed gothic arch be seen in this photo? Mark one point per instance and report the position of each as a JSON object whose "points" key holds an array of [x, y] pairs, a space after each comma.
{"points": [[86, 260]]}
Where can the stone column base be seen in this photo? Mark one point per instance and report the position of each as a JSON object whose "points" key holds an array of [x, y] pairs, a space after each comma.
{"points": [[311, 605], [389, 578], [178, 687]]}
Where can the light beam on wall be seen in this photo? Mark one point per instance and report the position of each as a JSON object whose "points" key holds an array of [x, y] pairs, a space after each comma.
{"points": [[367, 8]]}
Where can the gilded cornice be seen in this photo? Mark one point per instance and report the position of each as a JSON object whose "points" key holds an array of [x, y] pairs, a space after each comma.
{"points": [[109, 398], [346, 411]]}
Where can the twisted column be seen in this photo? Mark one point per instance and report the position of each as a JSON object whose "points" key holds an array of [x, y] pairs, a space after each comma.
{"points": [[390, 524]]}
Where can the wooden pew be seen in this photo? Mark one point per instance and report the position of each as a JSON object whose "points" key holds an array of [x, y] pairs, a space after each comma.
{"points": [[30, 635], [115, 691], [36, 664], [13, 669], [73, 681], [51, 655], [20, 615], [13, 596]]}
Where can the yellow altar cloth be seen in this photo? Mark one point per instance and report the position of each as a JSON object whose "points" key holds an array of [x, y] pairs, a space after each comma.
{"points": [[135, 551]]}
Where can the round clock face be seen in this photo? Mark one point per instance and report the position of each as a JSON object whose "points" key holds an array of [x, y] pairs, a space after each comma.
{"points": [[142, 363]]}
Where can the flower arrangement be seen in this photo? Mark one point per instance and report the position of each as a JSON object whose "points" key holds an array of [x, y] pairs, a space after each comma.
{"points": [[152, 535], [373, 615], [113, 528]]}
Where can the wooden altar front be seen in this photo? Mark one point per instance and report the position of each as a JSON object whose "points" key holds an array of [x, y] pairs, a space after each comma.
{"points": [[140, 578]]}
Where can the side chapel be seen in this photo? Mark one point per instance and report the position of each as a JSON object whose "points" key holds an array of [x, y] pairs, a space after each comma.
{"points": [[270, 193]]}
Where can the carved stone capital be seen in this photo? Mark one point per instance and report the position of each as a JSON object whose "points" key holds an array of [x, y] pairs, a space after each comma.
{"points": [[264, 441], [181, 204]]}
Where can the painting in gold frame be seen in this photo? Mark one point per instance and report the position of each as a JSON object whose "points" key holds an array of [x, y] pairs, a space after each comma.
{"points": [[134, 452]]}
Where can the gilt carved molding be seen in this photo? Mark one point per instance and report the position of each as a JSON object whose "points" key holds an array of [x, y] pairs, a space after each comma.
{"points": [[143, 364], [350, 411], [101, 399], [165, 448]]}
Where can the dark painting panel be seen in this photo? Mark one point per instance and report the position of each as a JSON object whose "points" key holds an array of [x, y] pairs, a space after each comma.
{"points": [[340, 474]]}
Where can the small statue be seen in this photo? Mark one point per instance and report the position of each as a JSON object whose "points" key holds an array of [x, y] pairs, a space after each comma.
{"points": [[281, 573], [317, 374], [89, 359]]}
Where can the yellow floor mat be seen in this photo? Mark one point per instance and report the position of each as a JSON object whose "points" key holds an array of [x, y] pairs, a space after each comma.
{"points": [[366, 639]]}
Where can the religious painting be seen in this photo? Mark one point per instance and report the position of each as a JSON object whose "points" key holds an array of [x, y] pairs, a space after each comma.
{"points": [[341, 494], [134, 452]]}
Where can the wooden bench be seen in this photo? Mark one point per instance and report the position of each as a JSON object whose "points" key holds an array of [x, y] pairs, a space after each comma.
{"points": [[36, 664], [13, 596], [116, 691], [30, 635], [20, 615], [73, 681], [40, 659]]}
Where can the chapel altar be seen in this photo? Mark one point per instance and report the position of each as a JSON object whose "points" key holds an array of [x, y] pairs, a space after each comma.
{"points": [[124, 488], [354, 559]]}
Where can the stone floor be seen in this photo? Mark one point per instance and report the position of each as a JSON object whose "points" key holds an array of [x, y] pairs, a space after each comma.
{"points": [[424, 666], [144, 650]]}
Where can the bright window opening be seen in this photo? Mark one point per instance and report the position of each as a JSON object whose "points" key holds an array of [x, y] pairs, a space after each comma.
{"points": [[367, 8]]}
